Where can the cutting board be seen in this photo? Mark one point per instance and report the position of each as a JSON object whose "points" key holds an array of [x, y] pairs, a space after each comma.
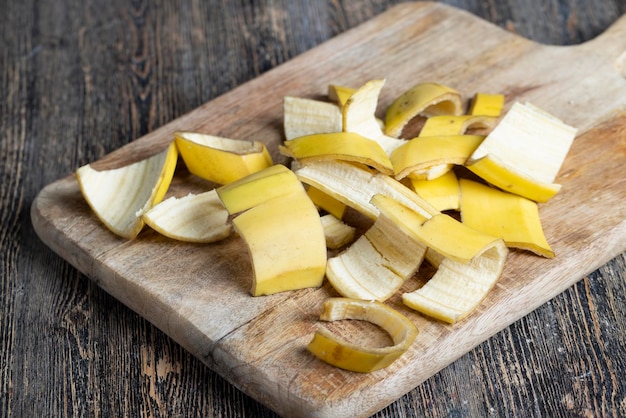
{"points": [[199, 294]]}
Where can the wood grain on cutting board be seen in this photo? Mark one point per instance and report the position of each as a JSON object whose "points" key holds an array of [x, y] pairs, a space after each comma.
{"points": [[198, 294]]}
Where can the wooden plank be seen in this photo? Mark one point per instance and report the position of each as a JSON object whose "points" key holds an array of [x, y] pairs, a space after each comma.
{"points": [[198, 294]]}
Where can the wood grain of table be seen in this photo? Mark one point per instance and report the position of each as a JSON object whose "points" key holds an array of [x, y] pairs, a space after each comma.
{"points": [[79, 79]]}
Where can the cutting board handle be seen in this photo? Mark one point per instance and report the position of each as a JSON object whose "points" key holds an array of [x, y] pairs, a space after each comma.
{"points": [[612, 42]]}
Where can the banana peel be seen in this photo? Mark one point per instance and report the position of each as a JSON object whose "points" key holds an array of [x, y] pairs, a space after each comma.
{"points": [[427, 99], [199, 218], [355, 186], [340, 94], [486, 104], [359, 115], [337, 233], [524, 153], [343, 146], [326, 202], [377, 264], [281, 228], [510, 217], [119, 197], [221, 160], [426, 158], [442, 192], [457, 289], [455, 125], [303, 116], [339, 352]]}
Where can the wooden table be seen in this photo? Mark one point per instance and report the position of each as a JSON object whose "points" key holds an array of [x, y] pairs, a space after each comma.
{"points": [[80, 79]]}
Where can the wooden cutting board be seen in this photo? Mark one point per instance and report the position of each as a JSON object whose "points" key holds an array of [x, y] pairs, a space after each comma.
{"points": [[199, 294]]}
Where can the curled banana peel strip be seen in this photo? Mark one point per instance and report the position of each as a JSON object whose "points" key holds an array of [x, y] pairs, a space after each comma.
{"points": [[440, 232], [421, 157], [199, 218], [221, 160], [107, 191], [455, 125], [427, 99], [511, 217], [377, 264], [359, 116], [457, 289], [344, 146], [468, 262], [524, 153], [341, 353], [307, 117], [287, 252]]}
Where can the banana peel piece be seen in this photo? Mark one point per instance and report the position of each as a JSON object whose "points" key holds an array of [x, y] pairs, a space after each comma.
{"points": [[524, 153], [377, 264], [338, 234], [487, 104], [355, 186], [221, 160], [257, 188], [199, 218], [442, 192], [307, 117], [119, 197], [341, 353], [344, 146], [359, 115], [457, 289], [427, 99], [440, 232], [421, 157], [455, 125], [468, 263], [510, 217], [326, 202], [340, 94], [281, 228]]}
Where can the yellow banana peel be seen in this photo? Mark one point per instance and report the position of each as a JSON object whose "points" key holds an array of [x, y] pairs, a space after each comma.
{"points": [[440, 232], [427, 99], [359, 115], [221, 160], [524, 153], [355, 186], [487, 104], [281, 228], [505, 215], [420, 157], [256, 188], [340, 94], [344, 146], [455, 125], [199, 218], [442, 192], [119, 197], [326, 202], [339, 352]]}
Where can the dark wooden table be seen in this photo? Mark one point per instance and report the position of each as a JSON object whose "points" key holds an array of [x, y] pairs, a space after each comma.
{"points": [[79, 79]]}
